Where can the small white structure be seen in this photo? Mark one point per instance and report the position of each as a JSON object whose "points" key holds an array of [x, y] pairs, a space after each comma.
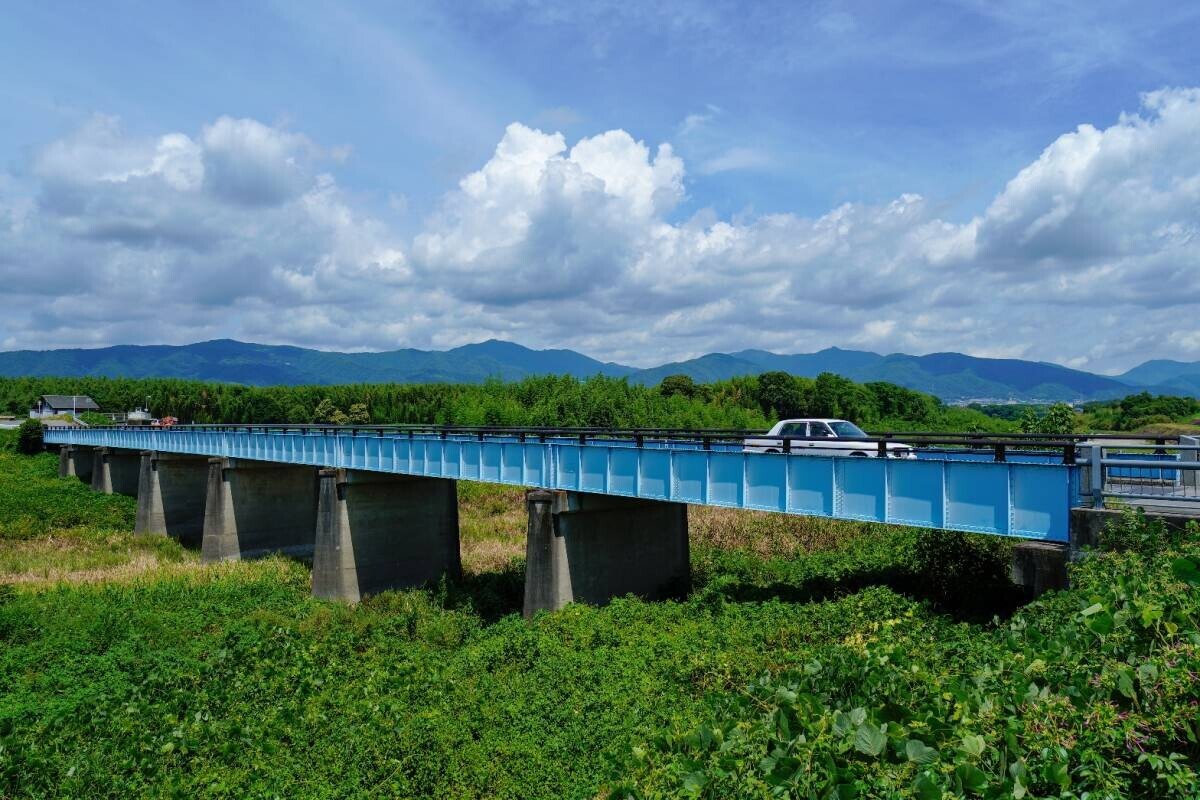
{"points": [[53, 405]]}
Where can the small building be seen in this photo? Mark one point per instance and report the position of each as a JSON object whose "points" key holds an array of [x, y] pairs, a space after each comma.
{"points": [[53, 405]]}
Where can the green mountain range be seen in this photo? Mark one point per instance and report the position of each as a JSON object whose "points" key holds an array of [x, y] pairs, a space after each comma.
{"points": [[954, 377]]}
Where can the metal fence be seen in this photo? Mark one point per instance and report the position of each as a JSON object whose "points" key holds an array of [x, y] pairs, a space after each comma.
{"points": [[1165, 473]]}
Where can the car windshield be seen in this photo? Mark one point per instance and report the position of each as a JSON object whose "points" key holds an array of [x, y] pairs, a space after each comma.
{"points": [[846, 430]]}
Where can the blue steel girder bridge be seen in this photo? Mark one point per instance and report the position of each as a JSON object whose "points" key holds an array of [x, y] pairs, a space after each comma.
{"points": [[607, 508]]}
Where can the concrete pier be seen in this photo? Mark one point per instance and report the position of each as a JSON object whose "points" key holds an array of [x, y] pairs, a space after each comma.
{"points": [[377, 531], [591, 548], [171, 496], [115, 471], [75, 461], [254, 508]]}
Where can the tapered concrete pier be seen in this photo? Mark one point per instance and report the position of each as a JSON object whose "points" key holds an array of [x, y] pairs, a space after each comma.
{"points": [[254, 508], [591, 548], [171, 496], [75, 461], [377, 531], [115, 471]]}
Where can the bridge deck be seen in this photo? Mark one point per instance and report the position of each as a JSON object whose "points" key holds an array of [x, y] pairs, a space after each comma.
{"points": [[1027, 496]]}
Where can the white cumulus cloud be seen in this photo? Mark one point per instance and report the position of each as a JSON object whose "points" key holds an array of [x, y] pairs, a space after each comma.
{"points": [[1088, 255]]}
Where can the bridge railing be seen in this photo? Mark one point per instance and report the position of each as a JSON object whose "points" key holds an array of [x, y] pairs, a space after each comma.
{"points": [[1125, 470], [1000, 447]]}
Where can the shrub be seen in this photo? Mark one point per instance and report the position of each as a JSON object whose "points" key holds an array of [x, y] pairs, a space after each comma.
{"points": [[29, 437]]}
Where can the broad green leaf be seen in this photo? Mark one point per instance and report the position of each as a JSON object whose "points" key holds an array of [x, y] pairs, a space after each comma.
{"points": [[1125, 683], [693, 783], [971, 777], [925, 788], [1186, 570], [1101, 623], [869, 740], [973, 745], [919, 753], [1058, 773]]}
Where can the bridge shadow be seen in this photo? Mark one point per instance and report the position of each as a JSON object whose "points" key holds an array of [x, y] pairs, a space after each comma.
{"points": [[964, 602], [975, 596], [489, 595]]}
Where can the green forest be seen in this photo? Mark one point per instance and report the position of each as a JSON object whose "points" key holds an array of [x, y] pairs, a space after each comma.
{"points": [[744, 403], [678, 402]]}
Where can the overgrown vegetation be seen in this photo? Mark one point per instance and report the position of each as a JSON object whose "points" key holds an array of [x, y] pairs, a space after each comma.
{"points": [[813, 659], [1089, 693]]}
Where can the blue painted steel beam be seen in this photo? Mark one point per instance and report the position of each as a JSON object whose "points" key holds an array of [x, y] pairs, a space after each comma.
{"points": [[1016, 498]]}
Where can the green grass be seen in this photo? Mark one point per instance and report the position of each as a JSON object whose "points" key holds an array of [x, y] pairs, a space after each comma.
{"points": [[33, 501], [176, 680]]}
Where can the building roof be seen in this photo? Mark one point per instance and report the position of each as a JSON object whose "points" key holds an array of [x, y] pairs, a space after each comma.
{"points": [[79, 402]]}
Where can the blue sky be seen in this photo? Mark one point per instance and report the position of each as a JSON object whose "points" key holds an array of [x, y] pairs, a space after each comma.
{"points": [[845, 174]]}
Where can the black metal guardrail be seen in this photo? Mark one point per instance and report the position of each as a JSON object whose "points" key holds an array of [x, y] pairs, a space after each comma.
{"points": [[997, 445]]}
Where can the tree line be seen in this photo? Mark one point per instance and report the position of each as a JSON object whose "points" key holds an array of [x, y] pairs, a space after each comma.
{"points": [[752, 402]]}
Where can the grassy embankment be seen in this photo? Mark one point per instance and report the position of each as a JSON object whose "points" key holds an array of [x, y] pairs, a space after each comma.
{"points": [[126, 669]]}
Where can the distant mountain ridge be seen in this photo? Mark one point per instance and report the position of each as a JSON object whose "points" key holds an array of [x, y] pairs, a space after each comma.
{"points": [[954, 377], [262, 365]]}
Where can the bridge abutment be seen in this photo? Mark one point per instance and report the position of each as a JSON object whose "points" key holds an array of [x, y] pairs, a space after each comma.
{"points": [[591, 548], [378, 531], [171, 496], [115, 471], [254, 508], [1040, 567], [75, 461]]}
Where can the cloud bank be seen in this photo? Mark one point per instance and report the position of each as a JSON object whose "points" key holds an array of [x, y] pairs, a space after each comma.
{"points": [[1089, 256]]}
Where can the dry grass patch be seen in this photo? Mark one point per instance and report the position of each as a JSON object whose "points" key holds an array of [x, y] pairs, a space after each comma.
{"points": [[766, 534], [85, 554], [491, 526], [493, 519]]}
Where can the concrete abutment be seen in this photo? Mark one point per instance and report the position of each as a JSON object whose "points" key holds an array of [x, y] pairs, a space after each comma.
{"points": [[254, 508], [378, 531], [171, 496], [592, 548], [1039, 567]]}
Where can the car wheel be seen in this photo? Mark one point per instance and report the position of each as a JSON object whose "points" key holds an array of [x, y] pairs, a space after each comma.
{"points": [[858, 455], [771, 450]]}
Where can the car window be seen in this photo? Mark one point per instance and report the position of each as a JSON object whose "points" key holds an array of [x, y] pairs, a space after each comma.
{"points": [[820, 429], [848, 429], [794, 429]]}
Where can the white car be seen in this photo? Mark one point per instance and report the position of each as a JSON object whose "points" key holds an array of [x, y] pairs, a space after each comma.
{"points": [[823, 437]]}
